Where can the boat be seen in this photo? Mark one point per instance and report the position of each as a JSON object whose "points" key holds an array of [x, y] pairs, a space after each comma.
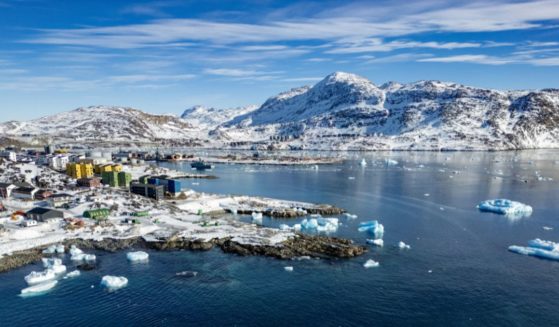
{"points": [[200, 165]]}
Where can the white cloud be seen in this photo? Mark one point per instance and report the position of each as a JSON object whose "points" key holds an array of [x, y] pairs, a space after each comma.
{"points": [[468, 58]]}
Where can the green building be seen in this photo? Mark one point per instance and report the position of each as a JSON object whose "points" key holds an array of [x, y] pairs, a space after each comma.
{"points": [[144, 179], [97, 214], [110, 178], [124, 179]]}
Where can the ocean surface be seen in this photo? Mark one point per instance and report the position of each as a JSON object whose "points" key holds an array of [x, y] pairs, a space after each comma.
{"points": [[458, 271]]}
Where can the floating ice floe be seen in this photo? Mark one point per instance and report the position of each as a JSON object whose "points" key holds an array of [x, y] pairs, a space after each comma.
{"points": [[506, 207], [351, 178], [547, 228], [59, 249], [378, 242], [39, 288], [390, 162], [55, 264], [257, 218], [371, 264], [321, 225], [72, 274], [114, 282], [284, 227], [350, 216], [403, 246], [538, 248], [288, 268], [363, 163], [79, 255], [37, 277], [373, 228], [138, 256]]}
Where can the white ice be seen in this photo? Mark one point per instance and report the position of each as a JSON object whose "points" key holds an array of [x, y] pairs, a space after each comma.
{"points": [[321, 225], [39, 288], [288, 268], [72, 274], [378, 242], [257, 218], [40, 277], [511, 209], [403, 246], [538, 248], [371, 264], [114, 282], [373, 228], [138, 256]]}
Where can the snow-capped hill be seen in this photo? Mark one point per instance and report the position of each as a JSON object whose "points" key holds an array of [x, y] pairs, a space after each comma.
{"points": [[103, 124], [204, 117], [345, 111], [336, 92]]}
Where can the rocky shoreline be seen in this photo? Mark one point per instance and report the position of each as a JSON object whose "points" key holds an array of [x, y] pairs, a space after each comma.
{"points": [[301, 245]]}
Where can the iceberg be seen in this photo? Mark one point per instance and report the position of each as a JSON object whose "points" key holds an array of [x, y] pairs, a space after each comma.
{"points": [[39, 288], [60, 249], [373, 228], [79, 255], [390, 162], [138, 256], [50, 250], [377, 242], [350, 216], [72, 274], [506, 207], [284, 227], [257, 218], [50, 262], [75, 251], [114, 282], [403, 246], [321, 225], [538, 248], [40, 277], [371, 264], [289, 268], [363, 163]]}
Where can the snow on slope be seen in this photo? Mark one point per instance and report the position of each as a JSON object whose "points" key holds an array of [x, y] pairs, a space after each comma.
{"points": [[204, 117], [103, 123], [348, 112], [341, 112]]}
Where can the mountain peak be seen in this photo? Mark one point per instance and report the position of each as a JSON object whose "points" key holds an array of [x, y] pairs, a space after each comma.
{"points": [[345, 78]]}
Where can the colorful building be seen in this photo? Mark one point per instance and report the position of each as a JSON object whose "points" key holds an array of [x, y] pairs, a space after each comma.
{"points": [[107, 168], [97, 214], [79, 170], [124, 179], [110, 178]]}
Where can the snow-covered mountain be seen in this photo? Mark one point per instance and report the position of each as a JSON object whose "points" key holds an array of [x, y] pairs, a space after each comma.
{"points": [[341, 112], [348, 112], [102, 124], [204, 117]]}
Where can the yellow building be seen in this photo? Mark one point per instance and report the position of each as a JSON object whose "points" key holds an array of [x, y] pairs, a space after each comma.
{"points": [[78, 171], [100, 169]]}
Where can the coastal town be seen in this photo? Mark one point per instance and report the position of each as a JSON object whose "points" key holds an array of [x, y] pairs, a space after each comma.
{"points": [[108, 201]]}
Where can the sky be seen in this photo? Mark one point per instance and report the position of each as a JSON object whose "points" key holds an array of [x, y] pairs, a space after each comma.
{"points": [[165, 56]]}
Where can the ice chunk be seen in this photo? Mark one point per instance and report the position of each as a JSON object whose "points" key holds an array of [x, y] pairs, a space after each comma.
{"points": [[390, 162], [373, 228], [363, 163], [257, 218], [39, 288], [350, 216], [50, 262], [114, 282], [288, 268], [138, 256], [50, 250], [74, 250], [506, 207], [547, 228], [321, 225], [403, 246], [284, 227], [538, 248], [541, 244], [371, 264], [72, 274], [79, 255], [40, 277], [60, 249], [377, 242]]}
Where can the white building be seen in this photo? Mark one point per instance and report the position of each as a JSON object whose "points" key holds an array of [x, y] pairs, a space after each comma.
{"points": [[59, 162], [8, 155]]}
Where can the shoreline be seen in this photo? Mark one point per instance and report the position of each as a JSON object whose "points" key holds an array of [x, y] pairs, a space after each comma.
{"points": [[300, 245]]}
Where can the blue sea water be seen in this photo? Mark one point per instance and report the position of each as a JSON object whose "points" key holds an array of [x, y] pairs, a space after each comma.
{"points": [[458, 271]]}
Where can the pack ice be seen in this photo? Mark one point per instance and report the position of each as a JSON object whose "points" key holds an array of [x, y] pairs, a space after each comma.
{"points": [[538, 248], [114, 282], [506, 207], [138, 256], [373, 228]]}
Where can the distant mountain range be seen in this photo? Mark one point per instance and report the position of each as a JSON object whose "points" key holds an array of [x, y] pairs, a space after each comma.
{"points": [[341, 112]]}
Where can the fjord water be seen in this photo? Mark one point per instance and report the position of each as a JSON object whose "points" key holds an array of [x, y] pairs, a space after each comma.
{"points": [[457, 272]]}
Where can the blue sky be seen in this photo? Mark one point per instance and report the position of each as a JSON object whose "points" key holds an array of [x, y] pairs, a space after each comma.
{"points": [[165, 56]]}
